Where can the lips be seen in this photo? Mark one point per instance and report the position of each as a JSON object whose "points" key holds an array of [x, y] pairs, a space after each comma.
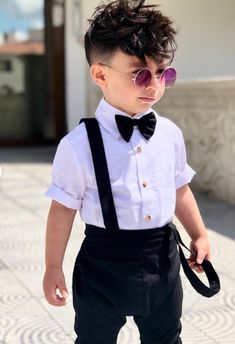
{"points": [[148, 99]]}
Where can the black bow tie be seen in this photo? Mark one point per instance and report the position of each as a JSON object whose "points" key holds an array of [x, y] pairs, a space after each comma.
{"points": [[146, 125]]}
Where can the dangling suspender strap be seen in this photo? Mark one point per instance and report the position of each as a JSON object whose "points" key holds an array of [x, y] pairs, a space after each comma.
{"points": [[110, 217], [101, 173], [197, 284]]}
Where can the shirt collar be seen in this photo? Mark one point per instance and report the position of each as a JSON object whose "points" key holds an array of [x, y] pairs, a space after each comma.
{"points": [[105, 114]]}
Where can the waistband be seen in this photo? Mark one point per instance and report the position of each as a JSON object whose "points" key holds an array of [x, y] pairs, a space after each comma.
{"points": [[127, 244], [95, 232]]}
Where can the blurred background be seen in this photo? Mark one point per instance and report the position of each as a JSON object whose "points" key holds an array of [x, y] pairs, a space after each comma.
{"points": [[44, 91], [45, 87]]}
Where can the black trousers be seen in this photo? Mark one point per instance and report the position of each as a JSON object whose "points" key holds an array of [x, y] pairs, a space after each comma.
{"points": [[127, 273]]}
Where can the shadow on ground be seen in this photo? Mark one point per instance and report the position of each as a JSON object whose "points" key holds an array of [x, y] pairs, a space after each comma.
{"points": [[218, 216], [32, 155]]}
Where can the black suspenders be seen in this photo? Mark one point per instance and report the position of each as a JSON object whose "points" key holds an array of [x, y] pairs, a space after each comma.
{"points": [[110, 217], [101, 173], [197, 284]]}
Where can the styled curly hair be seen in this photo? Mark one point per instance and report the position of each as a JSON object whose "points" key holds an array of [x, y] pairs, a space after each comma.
{"points": [[130, 26]]}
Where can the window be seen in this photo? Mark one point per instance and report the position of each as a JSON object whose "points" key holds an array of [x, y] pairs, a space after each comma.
{"points": [[5, 66]]}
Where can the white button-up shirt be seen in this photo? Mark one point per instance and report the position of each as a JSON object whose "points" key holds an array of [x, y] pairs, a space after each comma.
{"points": [[144, 174]]}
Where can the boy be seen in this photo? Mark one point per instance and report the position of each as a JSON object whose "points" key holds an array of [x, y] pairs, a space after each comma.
{"points": [[128, 264]]}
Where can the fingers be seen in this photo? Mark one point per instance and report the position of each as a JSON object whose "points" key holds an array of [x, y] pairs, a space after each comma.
{"points": [[200, 250], [55, 289], [194, 265], [56, 296], [200, 256], [195, 261], [62, 292]]}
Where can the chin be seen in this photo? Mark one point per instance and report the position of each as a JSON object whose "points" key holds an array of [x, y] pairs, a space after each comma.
{"points": [[145, 107]]}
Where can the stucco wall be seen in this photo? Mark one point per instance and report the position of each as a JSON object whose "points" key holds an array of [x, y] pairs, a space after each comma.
{"points": [[205, 111]]}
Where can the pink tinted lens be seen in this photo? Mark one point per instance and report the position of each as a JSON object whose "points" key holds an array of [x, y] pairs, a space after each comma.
{"points": [[169, 77], [143, 78]]}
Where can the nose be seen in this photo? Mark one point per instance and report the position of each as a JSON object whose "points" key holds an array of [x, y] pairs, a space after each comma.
{"points": [[155, 82]]}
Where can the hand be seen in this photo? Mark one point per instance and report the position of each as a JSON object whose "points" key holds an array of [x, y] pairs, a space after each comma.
{"points": [[54, 287], [200, 249]]}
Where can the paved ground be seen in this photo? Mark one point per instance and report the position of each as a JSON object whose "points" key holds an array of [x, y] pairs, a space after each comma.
{"points": [[25, 317]]}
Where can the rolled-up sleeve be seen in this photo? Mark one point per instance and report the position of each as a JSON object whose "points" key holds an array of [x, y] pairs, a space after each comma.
{"points": [[183, 172], [67, 183]]}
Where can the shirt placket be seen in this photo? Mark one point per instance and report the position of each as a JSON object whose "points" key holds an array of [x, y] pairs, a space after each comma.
{"points": [[145, 187]]}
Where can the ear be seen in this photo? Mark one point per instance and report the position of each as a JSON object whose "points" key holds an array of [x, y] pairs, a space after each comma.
{"points": [[98, 74]]}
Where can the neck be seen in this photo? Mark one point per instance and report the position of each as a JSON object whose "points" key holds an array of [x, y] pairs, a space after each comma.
{"points": [[120, 108]]}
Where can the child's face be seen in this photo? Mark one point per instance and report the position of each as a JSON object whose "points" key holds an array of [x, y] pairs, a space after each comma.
{"points": [[119, 89]]}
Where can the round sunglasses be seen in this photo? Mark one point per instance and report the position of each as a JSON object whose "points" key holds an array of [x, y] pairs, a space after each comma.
{"points": [[144, 76]]}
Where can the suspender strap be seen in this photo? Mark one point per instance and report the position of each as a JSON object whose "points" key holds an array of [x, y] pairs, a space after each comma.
{"points": [[101, 173], [197, 284]]}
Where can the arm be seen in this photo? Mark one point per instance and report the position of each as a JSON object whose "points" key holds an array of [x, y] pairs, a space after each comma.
{"points": [[189, 215], [59, 225]]}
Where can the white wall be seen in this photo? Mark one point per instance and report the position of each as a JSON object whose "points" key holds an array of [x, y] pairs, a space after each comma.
{"points": [[14, 78], [76, 68], [206, 44], [88, 8]]}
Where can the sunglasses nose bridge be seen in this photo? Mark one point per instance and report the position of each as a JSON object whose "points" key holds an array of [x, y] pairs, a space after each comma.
{"points": [[154, 81]]}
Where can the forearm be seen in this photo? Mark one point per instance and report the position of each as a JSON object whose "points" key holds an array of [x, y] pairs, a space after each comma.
{"points": [[59, 225], [188, 213]]}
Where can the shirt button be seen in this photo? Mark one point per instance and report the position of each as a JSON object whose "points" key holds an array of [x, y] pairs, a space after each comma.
{"points": [[139, 149], [145, 184], [148, 218]]}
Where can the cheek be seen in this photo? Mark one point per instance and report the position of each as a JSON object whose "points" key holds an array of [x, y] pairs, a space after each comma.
{"points": [[160, 92], [125, 92]]}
